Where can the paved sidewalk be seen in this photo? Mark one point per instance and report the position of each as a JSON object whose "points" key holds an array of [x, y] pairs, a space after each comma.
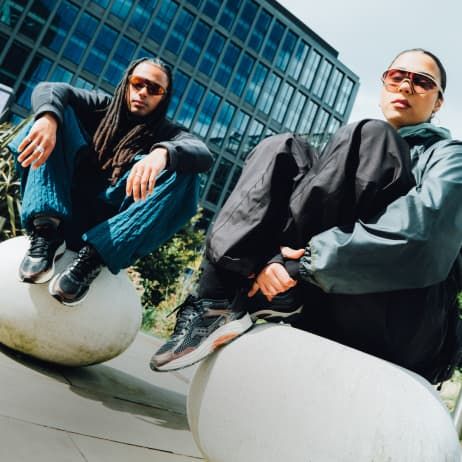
{"points": [[116, 411]]}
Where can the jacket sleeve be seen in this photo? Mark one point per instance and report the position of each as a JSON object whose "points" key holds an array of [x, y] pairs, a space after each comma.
{"points": [[413, 243], [187, 153], [54, 97]]}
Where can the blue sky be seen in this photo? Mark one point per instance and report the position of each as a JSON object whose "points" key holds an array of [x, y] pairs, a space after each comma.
{"points": [[369, 33]]}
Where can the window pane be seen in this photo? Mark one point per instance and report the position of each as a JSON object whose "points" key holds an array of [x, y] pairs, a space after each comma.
{"points": [[219, 180], [229, 13], [310, 68], [204, 120], [179, 32], [295, 110], [296, 63], [322, 78], [244, 22], [142, 13], [283, 57], [273, 41], [282, 102], [227, 64], [180, 81], [196, 42], [243, 71], [102, 3], [211, 8], [212, 53], [122, 57], [60, 26], [344, 96], [256, 84], [269, 93], [190, 105], [35, 20], [334, 85], [253, 137], [237, 132], [83, 83], [81, 38], [162, 20], [259, 30], [14, 63], [121, 8], [221, 124], [99, 52], [37, 72], [60, 74], [321, 122], [307, 117]]}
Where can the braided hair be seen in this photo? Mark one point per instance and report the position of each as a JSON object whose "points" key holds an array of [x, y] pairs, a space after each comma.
{"points": [[120, 135]]}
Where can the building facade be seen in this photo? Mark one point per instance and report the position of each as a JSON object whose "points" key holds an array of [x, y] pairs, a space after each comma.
{"points": [[243, 69]]}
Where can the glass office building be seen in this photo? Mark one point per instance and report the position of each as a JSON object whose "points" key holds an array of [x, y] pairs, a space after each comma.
{"points": [[243, 69]]}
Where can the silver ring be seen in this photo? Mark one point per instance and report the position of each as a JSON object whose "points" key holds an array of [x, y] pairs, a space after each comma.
{"points": [[40, 149]]}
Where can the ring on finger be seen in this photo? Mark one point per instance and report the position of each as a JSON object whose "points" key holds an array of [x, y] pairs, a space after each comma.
{"points": [[40, 149]]}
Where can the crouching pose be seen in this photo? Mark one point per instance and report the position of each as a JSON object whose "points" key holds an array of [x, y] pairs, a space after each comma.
{"points": [[111, 178], [360, 245]]}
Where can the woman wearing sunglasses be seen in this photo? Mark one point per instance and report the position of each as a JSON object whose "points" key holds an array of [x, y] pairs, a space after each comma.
{"points": [[379, 215], [109, 177]]}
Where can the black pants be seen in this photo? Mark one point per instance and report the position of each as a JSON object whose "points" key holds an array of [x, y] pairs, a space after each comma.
{"points": [[287, 194]]}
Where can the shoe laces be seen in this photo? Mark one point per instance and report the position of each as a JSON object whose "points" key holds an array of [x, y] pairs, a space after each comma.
{"points": [[86, 266], [39, 243], [186, 312]]}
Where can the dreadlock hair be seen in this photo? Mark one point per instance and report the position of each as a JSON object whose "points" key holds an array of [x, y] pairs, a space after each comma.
{"points": [[120, 135]]}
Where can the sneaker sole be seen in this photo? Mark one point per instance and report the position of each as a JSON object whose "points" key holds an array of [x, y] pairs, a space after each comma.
{"points": [[57, 297], [219, 338], [45, 277], [268, 314]]}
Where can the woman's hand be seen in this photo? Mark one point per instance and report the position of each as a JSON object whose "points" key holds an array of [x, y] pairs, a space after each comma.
{"points": [[142, 177], [37, 146], [274, 278]]}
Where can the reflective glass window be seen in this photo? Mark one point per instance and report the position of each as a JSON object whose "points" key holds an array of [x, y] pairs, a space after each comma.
{"points": [[270, 91], [245, 19], [211, 8], [177, 36], [3, 40], [10, 12], [287, 48], [37, 72], [190, 104], [196, 42], [102, 3], [121, 8], [60, 74], [143, 53], [334, 125], [242, 74], [60, 26], [180, 80], [332, 90], [307, 117], [99, 52], [221, 124], [229, 13], [219, 180], [309, 71], [80, 38], [295, 111], [122, 57], [322, 78], [212, 54], [321, 122], [14, 63], [282, 102], [273, 41], [36, 18], [344, 96], [253, 136], [80, 82], [297, 61], [256, 84], [227, 64], [232, 183], [237, 131], [259, 30], [207, 113], [196, 3], [162, 20], [142, 13]]}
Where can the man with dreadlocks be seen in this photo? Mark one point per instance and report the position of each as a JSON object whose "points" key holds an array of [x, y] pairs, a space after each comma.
{"points": [[88, 167]]}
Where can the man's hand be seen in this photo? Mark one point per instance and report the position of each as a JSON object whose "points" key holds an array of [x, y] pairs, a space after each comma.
{"points": [[37, 146], [274, 278], [142, 177]]}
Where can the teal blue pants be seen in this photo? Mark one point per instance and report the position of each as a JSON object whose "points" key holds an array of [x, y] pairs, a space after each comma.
{"points": [[94, 211]]}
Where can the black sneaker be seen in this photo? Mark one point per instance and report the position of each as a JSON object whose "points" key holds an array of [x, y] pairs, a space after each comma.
{"points": [[282, 308], [202, 326], [46, 246], [72, 285]]}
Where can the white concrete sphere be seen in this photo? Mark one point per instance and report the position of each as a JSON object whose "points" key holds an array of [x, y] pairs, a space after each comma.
{"points": [[278, 394], [33, 322]]}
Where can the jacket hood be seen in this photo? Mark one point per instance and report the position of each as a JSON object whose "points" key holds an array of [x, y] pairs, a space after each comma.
{"points": [[424, 130]]}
